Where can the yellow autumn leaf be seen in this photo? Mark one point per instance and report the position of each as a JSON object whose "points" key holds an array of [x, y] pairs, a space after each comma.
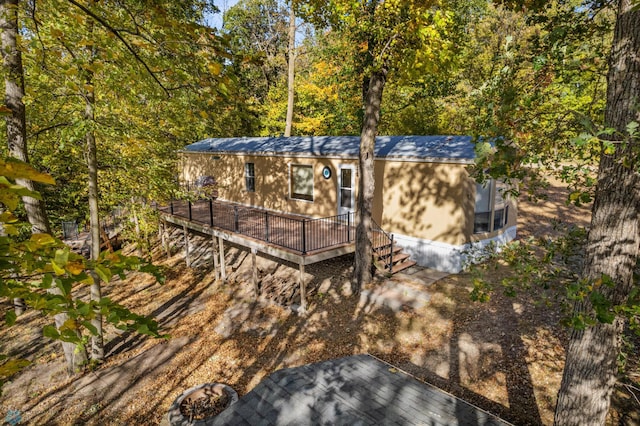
{"points": [[58, 270], [75, 268], [42, 239], [69, 324], [215, 68], [15, 169]]}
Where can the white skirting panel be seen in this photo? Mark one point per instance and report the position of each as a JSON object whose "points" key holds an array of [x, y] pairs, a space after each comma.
{"points": [[447, 257]]}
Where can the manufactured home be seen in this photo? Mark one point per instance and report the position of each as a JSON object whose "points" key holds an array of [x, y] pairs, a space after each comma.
{"points": [[424, 195]]}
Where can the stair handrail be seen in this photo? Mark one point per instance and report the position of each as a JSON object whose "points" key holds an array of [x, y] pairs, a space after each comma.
{"points": [[387, 239]]}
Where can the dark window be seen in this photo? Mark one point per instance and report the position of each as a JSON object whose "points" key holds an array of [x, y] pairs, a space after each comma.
{"points": [[249, 177], [346, 191], [498, 219], [481, 222]]}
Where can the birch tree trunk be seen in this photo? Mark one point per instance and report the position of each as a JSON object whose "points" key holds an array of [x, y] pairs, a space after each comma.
{"points": [[614, 238], [13, 99], [366, 181], [97, 344], [291, 70], [75, 356]]}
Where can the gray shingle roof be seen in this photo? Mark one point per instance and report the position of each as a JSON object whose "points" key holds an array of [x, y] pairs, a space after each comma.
{"points": [[428, 148], [355, 390]]}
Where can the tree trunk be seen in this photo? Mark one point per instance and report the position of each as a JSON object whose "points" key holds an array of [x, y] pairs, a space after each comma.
{"points": [[614, 238], [97, 344], [140, 240], [97, 347], [291, 71], [16, 121], [17, 142], [366, 182]]}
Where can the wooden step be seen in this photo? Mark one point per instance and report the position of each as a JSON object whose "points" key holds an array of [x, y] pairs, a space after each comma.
{"points": [[384, 251], [397, 258], [402, 266], [400, 257]]}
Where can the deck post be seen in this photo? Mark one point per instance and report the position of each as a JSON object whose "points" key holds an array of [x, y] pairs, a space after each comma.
{"points": [[171, 207], [303, 290], [304, 236], [391, 255], [164, 237], [210, 212], [348, 227], [214, 256], [190, 214], [223, 270], [254, 275], [186, 245], [266, 226]]}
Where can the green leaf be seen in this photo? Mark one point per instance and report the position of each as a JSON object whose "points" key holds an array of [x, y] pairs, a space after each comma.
{"points": [[92, 329], [12, 366], [50, 332], [10, 317], [104, 273], [61, 257], [83, 309]]}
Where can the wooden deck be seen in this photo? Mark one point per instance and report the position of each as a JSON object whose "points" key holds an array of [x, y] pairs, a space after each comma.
{"points": [[294, 238]]}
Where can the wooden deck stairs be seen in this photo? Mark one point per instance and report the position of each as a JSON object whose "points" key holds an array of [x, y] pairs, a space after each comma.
{"points": [[388, 257]]}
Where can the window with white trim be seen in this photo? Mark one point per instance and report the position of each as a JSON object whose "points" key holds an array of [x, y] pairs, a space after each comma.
{"points": [[249, 177], [301, 182], [491, 209]]}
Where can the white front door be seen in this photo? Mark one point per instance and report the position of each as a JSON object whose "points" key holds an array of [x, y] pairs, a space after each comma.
{"points": [[346, 189]]}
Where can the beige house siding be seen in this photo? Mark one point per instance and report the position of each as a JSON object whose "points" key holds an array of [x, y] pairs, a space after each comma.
{"points": [[271, 181], [427, 201], [431, 201]]}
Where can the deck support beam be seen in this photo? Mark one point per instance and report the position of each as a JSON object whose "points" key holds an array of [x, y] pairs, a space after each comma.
{"points": [[186, 246], [223, 268], [164, 236], [303, 290], [254, 275], [214, 257]]}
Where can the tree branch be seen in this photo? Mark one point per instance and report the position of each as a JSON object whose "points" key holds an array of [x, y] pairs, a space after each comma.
{"points": [[46, 129], [116, 33]]}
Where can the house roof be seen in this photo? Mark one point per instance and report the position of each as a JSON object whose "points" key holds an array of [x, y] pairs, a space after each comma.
{"points": [[425, 148]]}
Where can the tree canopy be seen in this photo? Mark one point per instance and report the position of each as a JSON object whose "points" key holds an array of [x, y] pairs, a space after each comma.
{"points": [[552, 85]]}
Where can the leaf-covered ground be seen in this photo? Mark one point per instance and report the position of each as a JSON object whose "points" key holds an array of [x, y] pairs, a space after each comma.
{"points": [[505, 355]]}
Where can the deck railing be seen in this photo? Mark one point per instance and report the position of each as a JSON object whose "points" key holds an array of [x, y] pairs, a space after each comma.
{"points": [[296, 233], [382, 242]]}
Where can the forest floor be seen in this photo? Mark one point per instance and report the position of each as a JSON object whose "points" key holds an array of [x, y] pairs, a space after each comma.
{"points": [[505, 355]]}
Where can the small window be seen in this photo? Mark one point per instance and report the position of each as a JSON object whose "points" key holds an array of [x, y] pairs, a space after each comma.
{"points": [[501, 209], [301, 182], [492, 211], [249, 177], [482, 220]]}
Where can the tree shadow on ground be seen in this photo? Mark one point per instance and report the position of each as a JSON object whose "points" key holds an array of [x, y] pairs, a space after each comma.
{"points": [[221, 334]]}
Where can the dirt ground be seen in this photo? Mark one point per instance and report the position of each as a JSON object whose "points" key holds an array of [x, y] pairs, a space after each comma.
{"points": [[505, 355]]}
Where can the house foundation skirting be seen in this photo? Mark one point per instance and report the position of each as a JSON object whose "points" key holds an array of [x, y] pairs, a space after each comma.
{"points": [[447, 257]]}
